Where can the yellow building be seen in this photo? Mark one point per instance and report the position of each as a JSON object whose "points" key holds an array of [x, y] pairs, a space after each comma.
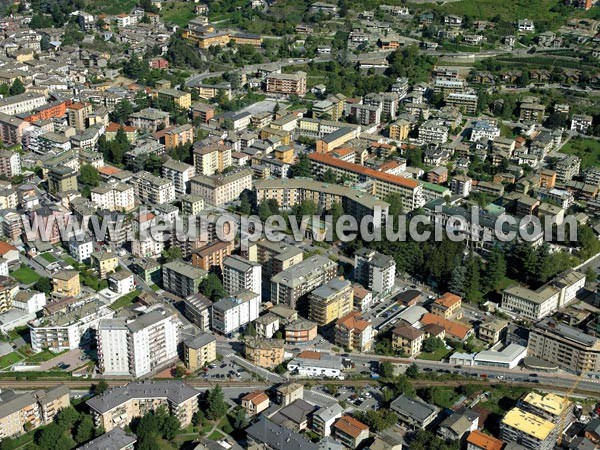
{"points": [[407, 339], [199, 351], [528, 429], [331, 301], [335, 139], [285, 154], [179, 98], [255, 40], [399, 130], [448, 306], [66, 282], [269, 132], [104, 262], [264, 352]]}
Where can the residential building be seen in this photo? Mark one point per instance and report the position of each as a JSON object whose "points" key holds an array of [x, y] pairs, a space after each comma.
{"points": [[408, 339], [433, 131], [567, 168], [30, 410], [230, 314], [448, 306], [289, 286], [255, 402], [461, 185], [271, 436], [118, 406], [264, 352], [197, 309], [330, 301], [212, 158], [62, 179], [415, 413], [300, 331], [104, 262], [287, 83], [77, 114], [568, 347], [199, 351], [267, 325], [456, 426], [241, 274], [324, 418], [454, 330], [375, 271], [220, 189], [150, 119], [81, 248], [531, 112], [180, 99], [581, 123], [191, 205], [275, 257], [66, 283], [116, 439], [175, 136], [477, 440], [13, 129], [492, 331], [466, 103], [399, 130], [531, 431], [10, 163], [121, 282], [354, 333], [179, 174], [288, 393], [182, 279], [350, 431], [114, 197], [151, 189], [212, 255], [17, 104], [139, 347]]}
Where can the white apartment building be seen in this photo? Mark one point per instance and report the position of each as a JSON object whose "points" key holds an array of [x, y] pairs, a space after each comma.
{"points": [[29, 301], [152, 189], [67, 330], [18, 104], [10, 163], [121, 282], [220, 189], [484, 130], [81, 249], [147, 247], [433, 132], [581, 123], [140, 346], [232, 313], [114, 197], [374, 270], [240, 274], [179, 173]]}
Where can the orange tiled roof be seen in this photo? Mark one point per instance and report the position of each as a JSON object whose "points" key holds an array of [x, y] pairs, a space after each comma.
{"points": [[448, 300], [309, 354], [354, 321], [356, 168], [114, 127], [484, 441], [350, 426], [256, 397], [5, 247], [109, 170], [454, 329]]}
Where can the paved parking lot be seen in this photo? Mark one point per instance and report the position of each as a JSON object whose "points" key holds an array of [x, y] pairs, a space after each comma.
{"points": [[226, 370], [67, 361]]}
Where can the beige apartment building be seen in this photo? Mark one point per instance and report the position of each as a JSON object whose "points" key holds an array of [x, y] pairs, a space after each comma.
{"points": [[117, 407], [408, 339], [220, 189], [66, 282], [287, 83], [277, 256], [24, 412], [199, 351], [210, 159], [354, 333], [104, 262], [264, 352], [492, 331], [330, 301]]}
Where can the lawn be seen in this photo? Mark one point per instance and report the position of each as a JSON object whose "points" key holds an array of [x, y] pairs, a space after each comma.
{"points": [[112, 8], [25, 275], [444, 397], [438, 355], [179, 13], [216, 436], [587, 149], [49, 257], [42, 356], [9, 360], [124, 301]]}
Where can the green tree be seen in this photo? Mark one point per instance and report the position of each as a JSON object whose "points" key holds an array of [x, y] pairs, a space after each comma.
{"points": [[198, 418], [328, 177], [122, 111], [377, 419], [301, 168], [67, 417], [212, 287], [494, 271], [89, 175], [239, 421], [84, 430], [396, 204], [432, 344], [172, 254], [245, 206], [404, 386], [169, 427], [179, 372], [44, 285], [100, 387], [17, 87], [216, 405], [412, 371], [386, 369]]}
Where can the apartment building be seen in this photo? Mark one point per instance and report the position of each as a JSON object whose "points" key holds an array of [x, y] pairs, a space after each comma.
{"points": [[199, 351], [289, 286], [399, 130], [330, 301], [354, 333], [67, 330], [568, 347], [180, 99], [529, 430], [408, 339], [263, 352], [324, 418], [567, 168], [220, 189], [212, 158], [118, 406], [10, 163], [466, 103], [366, 114], [241, 274], [191, 205], [114, 196], [415, 413], [212, 255], [81, 248], [275, 257], [151, 189], [448, 306], [150, 119], [179, 174], [13, 129], [375, 271], [182, 279], [78, 113], [8, 289], [116, 439], [531, 112], [433, 131], [66, 283], [335, 139], [382, 184], [17, 104], [291, 192], [581, 123], [62, 179], [300, 331], [175, 136], [230, 314], [27, 411], [197, 309], [287, 83], [139, 347], [535, 305], [104, 262], [350, 431], [492, 331]]}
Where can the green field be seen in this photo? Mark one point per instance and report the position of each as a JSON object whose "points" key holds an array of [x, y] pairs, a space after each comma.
{"points": [[111, 8], [9, 360], [587, 149], [179, 13], [438, 355], [25, 275], [49, 257], [124, 301]]}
